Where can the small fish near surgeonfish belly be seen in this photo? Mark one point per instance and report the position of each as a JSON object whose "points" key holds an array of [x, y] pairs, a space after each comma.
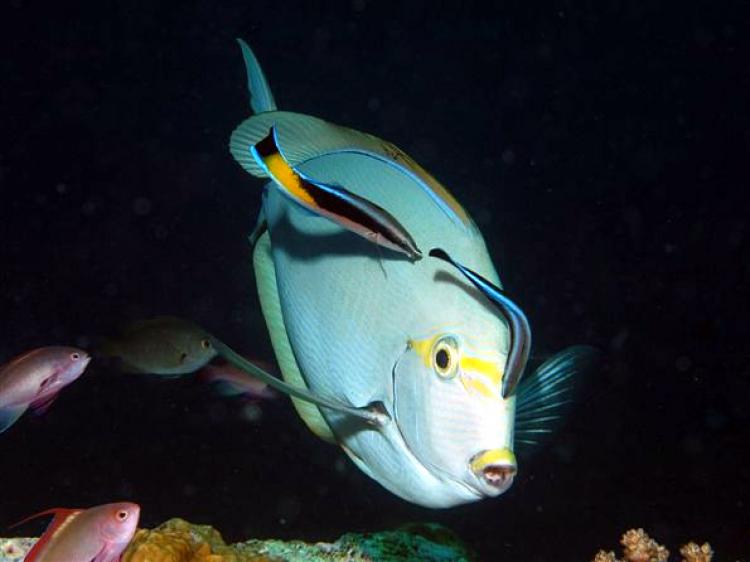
{"points": [[96, 534], [400, 362], [165, 345], [232, 381], [34, 380]]}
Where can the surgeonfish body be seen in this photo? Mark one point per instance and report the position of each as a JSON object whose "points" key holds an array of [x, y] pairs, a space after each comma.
{"points": [[163, 345], [34, 380], [97, 534], [422, 356]]}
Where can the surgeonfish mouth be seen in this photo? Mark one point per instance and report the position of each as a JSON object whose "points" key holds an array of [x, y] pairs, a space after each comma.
{"points": [[520, 331]]}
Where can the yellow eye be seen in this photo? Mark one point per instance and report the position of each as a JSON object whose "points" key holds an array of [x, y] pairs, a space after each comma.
{"points": [[206, 344], [445, 357]]}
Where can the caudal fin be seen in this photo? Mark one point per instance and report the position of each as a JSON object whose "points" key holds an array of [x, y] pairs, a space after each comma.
{"points": [[261, 98]]}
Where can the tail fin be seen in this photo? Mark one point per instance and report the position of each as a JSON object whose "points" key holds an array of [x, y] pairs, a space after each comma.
{"points": [[261, 98]]}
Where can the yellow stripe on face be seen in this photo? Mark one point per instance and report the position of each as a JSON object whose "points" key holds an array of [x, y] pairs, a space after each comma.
{"points": [[283, 174], [482, 376], [487, 368]]}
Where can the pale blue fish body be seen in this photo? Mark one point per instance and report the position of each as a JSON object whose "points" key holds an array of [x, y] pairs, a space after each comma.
{"points": [[361, 325]]}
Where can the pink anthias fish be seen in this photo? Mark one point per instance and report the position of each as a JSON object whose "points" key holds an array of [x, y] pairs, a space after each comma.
{"points": [[97, 534], [231, 381], [34, 379]]}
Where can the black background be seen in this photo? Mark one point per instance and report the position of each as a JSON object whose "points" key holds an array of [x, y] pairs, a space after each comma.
{"points": [[602, 148]]}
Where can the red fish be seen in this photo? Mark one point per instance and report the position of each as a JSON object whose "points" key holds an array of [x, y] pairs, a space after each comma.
{"points": [[97, 534], [231, 381], [34, 380]]}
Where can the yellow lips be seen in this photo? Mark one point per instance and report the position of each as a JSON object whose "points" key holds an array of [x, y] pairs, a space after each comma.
{"points": [[495, 468], [498, 457]]}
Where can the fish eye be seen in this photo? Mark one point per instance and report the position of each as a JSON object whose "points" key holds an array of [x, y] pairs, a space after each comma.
{"points": [[206, 344], [75, 356], [445, 357], [122, 515]]}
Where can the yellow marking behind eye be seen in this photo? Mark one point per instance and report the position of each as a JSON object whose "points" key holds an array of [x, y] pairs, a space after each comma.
{"points": [[489, 369], [493, 456], [283, 173]]}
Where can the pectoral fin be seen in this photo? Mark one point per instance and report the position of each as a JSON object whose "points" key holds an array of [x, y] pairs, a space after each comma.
{"points": [[544, 396], [348, 210], [371, 415]]}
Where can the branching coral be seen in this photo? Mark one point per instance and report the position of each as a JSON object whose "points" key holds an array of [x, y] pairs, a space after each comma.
{"points": [[639, 547]]}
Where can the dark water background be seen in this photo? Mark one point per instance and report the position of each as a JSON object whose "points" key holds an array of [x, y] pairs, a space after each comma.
{"points": [[602, 149]]}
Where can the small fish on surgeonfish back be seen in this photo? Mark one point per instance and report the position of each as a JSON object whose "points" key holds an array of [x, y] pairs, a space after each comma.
{"points": [[413, 366], [34, 380], [232, 381], [96, 534], [164, 345]]}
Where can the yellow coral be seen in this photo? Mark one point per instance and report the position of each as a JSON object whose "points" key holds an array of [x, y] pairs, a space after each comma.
{"points": [[179, 541], [691, 552]]}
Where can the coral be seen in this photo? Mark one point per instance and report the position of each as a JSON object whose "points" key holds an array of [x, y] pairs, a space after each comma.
{"points": [[639, 547], [180, 541], [691, 552]]}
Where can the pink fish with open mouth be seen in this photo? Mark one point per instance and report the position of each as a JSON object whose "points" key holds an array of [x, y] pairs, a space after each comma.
{"points": [[97, 534], [231, 381], [34, 380]]}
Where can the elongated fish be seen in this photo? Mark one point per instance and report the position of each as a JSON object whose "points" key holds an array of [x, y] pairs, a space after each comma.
{"points": [[413, 366]]}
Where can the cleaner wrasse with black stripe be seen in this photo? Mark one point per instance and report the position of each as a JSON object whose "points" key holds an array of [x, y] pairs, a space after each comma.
{"points": [[336, 203], [405, 364]]}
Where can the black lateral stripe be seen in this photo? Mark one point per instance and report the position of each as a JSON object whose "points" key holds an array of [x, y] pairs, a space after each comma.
{"points": [[267, 146], [341, 207]]}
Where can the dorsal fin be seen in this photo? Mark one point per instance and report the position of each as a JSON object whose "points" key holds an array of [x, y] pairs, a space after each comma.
{"points": [[303, 138], [261, 98]]}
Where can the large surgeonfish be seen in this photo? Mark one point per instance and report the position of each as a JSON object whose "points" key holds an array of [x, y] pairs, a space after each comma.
{"points": [[411, 365]]}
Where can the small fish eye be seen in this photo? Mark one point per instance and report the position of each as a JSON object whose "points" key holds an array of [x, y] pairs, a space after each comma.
{"points": [[206, 344], [122, 515], [445, 357], [75, 356]]}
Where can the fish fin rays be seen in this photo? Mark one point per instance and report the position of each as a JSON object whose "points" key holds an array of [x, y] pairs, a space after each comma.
{"points": [[304, 138], [9, 415], [544, 396], [261, 98]]}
